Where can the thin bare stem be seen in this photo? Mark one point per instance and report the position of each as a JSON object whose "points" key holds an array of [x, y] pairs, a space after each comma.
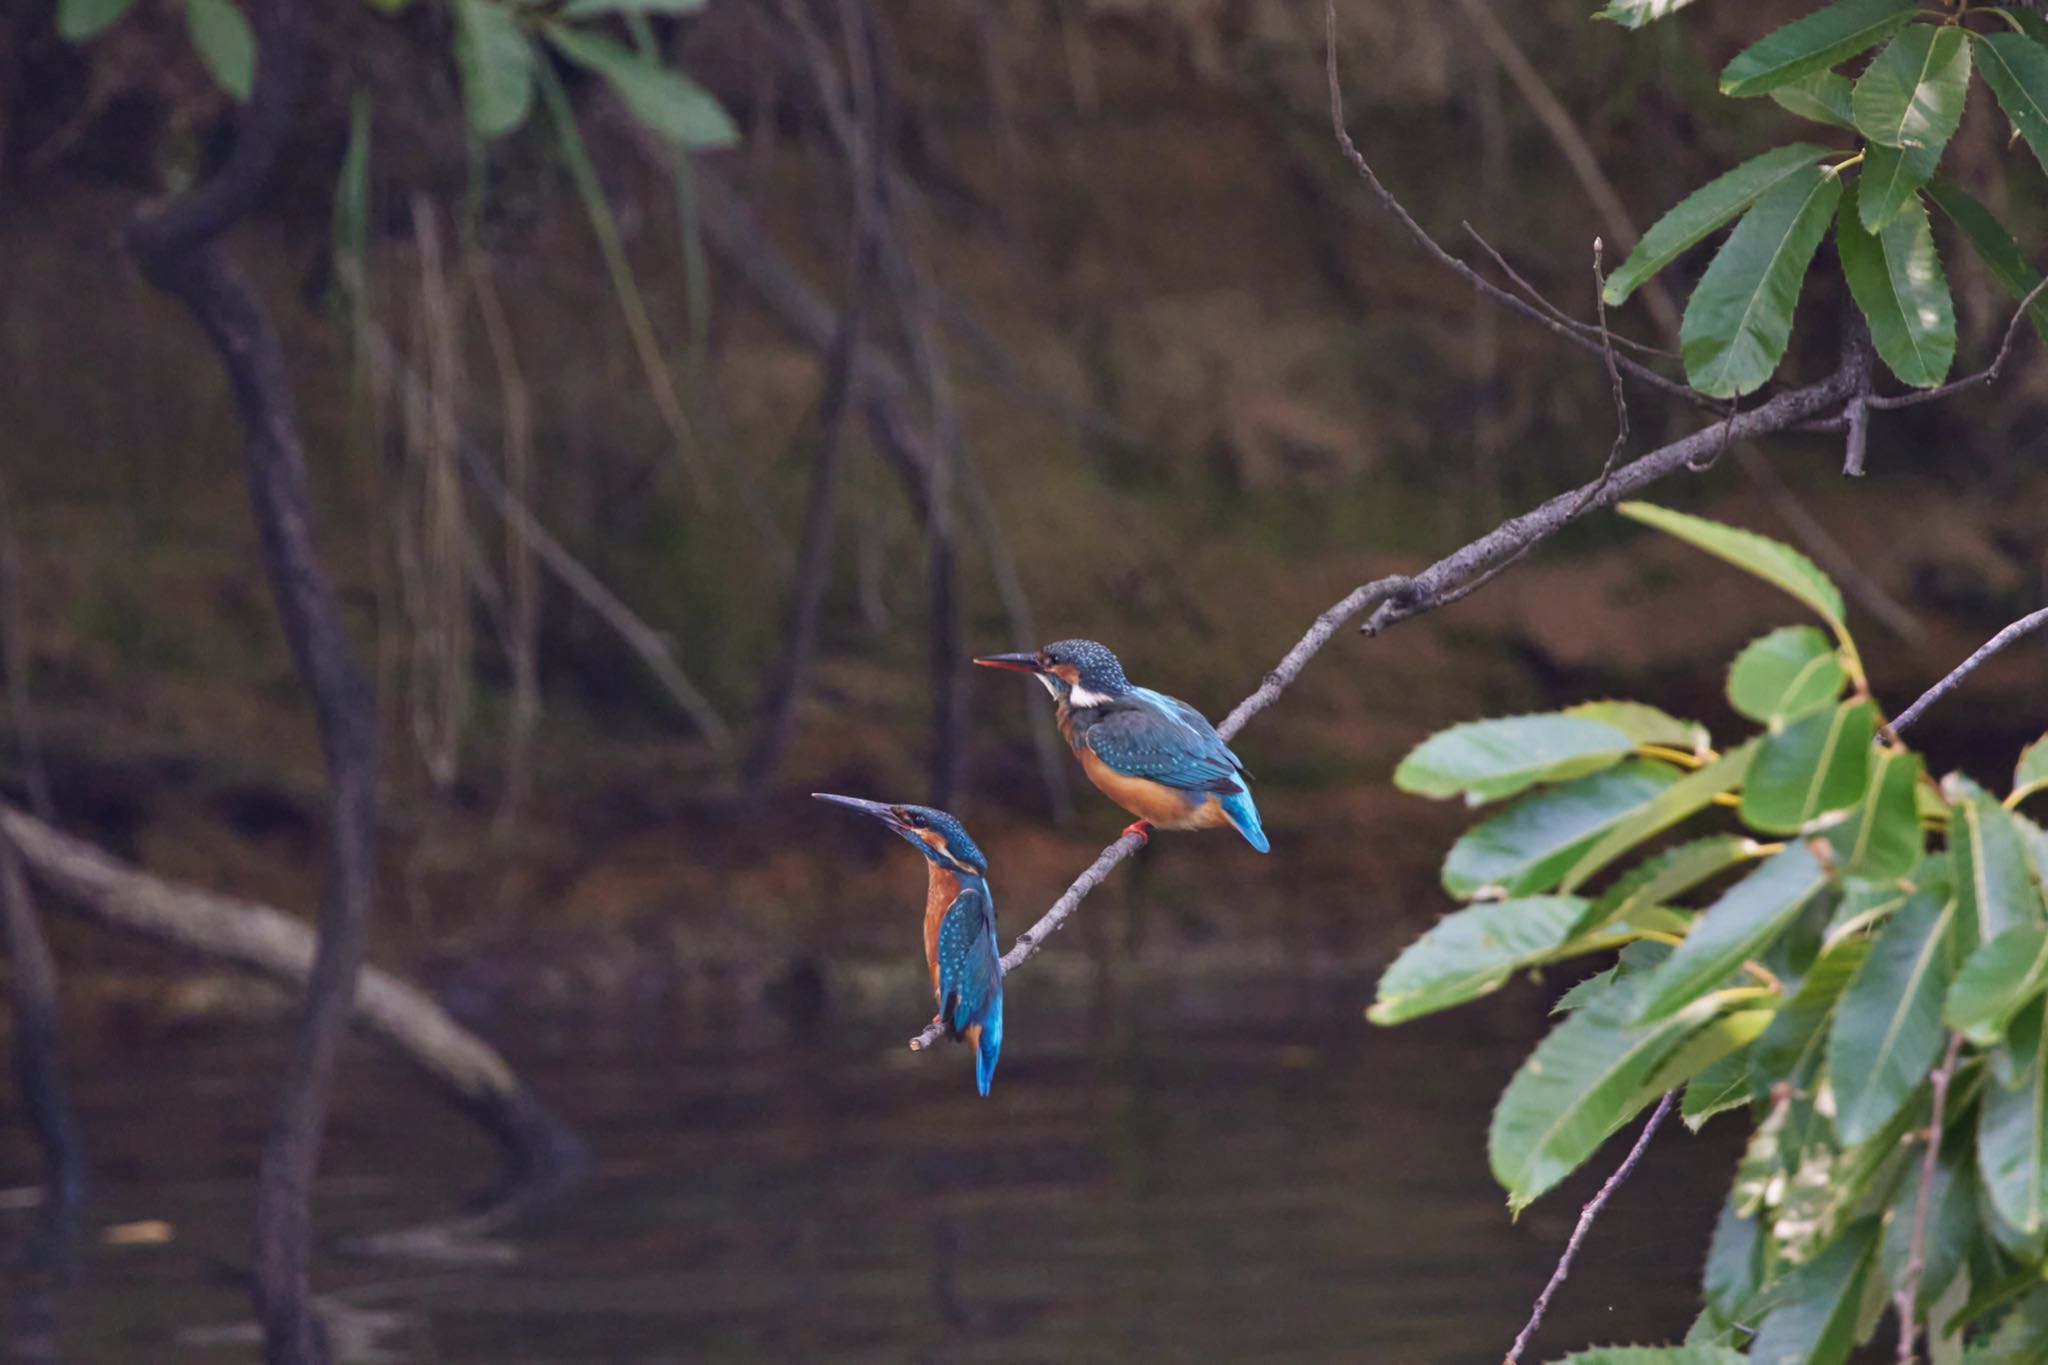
{"points": [[1613, 382], [1983, 376], [2025, 625], [1537, 296], [1907, 1300], [1585, 1225]]}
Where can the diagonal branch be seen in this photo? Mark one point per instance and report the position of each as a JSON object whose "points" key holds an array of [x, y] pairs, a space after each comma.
{"points": [[2023, 626], [1984, 376]]}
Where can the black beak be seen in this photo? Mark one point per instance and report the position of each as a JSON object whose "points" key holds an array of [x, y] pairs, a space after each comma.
{"points": [[885, 814], [1016, 663]]}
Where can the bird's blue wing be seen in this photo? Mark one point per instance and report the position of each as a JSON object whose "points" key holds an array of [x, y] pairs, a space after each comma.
{"points": [[1167, 741], [970, 972]]}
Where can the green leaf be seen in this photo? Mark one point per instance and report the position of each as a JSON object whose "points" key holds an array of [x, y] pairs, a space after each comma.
{"points": [[1818, 763], [1670, 873], [1636, 13], [1644, 724], [1725, 1085], [1911, 94], [1887, 1030], [1996, 885], [1707, 208], [1951, 1222], [1739, 319], [1773, 561], [2012, 1142], [1812, 1320], [1993, 245], [1580, 1084], [1797, 1031], [2016, 69], [1732, 1273], [1489, 759], [1896, 280], [1812, 44], [1891, 176], [81, 20], [2034, 840], [666, 101], [225, 44], [1881, 839], [2000, 979], [1526, 847], [1720, 1039], [1791, 671], [584, 9], [1822, 97], [2030, 775], [495, 61], [2022, 1339], [1738, 926], [1655, 1355], [1471, 952], [1680, 800]]}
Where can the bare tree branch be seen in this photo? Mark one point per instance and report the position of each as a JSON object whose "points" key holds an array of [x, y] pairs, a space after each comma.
{"points": [[1585, 1225], [2023, 626], [1983, 376]]}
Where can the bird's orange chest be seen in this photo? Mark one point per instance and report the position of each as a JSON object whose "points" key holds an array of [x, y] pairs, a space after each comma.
{"points": [[941, 891]]}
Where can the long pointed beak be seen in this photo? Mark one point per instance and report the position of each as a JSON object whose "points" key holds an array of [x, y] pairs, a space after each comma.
{"points": [[874, 808], [1016, 663]]}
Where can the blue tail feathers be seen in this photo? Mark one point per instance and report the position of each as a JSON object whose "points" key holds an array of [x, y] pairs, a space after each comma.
{"points": [[1244, 817], [987, 1037]]}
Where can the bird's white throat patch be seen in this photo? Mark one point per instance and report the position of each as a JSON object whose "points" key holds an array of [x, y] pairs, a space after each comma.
{"points": [[1078, 695]]}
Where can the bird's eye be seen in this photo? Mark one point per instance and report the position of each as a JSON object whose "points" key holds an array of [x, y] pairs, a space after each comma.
{"points": [[919, 821]]}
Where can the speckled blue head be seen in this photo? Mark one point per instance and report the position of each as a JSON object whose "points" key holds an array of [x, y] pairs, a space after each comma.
{"points": [[934, 833], [1080, 671]]}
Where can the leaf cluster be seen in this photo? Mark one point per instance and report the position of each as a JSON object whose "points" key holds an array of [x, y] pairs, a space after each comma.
{"points": [[1803, 919], [1901, 106]]}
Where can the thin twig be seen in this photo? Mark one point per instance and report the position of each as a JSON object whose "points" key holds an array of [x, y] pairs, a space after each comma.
{"points": [[1907, 1300], [1613, 382], [1983, 376], [1585, 1225], [1521, 282], [2023, 626]]}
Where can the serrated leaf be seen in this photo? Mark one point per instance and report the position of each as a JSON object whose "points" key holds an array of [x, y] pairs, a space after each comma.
{"points": [[2016, 69], [1785, 674], [1670, 873], [224, 43], [1896, 279], [1733, 1271], [1738, 926], [2022, 1339], [1994, 880], [1951, 1223], [1813, 1316], [585, 9], [1489, 759], [1816, 764], [1715, 1042], [1471, 952], [2000, 979], [1739, 319], [1773, 561], [1881, 840], [1911, 94], [666, 101], [1725, 1085], [1887, 1030], [1655, 1355], [1525, 848], [1813, 43], [495, 62], [1636, 13], [1643, 723], [2030, 774], [1679, 801], [1797, 1031], [1581, 1083], [80, 21], [1690, 220], [1890, 178], [2012, 1141], [1823, 97], [1993, 245]]}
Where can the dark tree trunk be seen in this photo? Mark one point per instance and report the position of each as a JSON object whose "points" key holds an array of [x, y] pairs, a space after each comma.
{"points": [[176, 249], [37, 1055]]}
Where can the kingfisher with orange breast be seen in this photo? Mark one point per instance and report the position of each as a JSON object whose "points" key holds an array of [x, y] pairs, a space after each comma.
{"points": [[959, 926], [1154, 755]]}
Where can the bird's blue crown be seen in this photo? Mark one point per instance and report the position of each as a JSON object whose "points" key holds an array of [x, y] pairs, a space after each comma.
{"points": [[919, 821], [1095, 668]]}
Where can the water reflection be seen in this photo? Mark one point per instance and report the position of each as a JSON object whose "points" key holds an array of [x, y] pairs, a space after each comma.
{"points": [[1244, 1171]]}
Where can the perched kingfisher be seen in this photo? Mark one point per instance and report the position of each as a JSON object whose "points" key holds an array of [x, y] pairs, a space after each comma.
{"points": [[1154, 755], [959, 927]]}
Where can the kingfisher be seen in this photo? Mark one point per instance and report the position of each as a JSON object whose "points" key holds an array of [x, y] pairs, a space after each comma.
{"points": [[1154, 755], [959, 926]]}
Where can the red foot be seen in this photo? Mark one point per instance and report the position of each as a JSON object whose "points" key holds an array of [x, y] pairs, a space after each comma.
{"points": [[1141, 828]]}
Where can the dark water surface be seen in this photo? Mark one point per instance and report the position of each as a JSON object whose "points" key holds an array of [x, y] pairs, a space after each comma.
{"points": [[1235, 1172]]}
